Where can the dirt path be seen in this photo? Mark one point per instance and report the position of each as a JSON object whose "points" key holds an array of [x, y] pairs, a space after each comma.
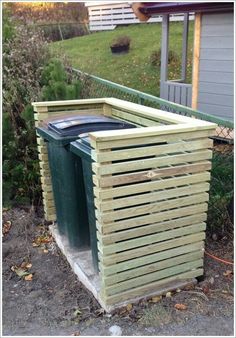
{"points": [[55, 303]]}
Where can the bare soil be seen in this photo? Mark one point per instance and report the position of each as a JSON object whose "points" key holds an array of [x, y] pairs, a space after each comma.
{"points": [[55, 303]]}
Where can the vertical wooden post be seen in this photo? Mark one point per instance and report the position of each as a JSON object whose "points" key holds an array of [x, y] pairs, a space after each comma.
{"points": [[196, 59], [185, 47], [164, 52], [60, 31]]}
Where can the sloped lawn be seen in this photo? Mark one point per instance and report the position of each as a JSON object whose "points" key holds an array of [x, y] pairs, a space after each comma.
{"points": [[91, 53]]}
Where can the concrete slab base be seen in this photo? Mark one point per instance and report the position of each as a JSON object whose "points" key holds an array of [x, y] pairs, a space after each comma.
{"points": [[81, 264]]}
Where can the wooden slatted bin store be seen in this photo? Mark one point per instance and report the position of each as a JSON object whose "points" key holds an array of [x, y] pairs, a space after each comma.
{"points": [[151, 188]]}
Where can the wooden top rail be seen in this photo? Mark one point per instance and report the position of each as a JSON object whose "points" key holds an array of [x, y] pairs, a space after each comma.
{"points": [[137, 109], [148, 131], [66, 102]]}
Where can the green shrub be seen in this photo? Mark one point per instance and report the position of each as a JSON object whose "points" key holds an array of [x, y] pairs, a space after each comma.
{"points": [[155, 58], [26, 69], [220, 214], [21, 182], [8, 26], [57, 83], [122, 40], [24, 56], [20, 163]]}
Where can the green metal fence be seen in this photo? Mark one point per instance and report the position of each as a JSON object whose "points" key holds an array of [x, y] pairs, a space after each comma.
{"points": [[94, 86], [220, 216]]}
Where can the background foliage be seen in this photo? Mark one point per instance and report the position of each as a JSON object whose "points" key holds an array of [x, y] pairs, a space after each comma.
{"points": [[29, 74], [57, 20]]}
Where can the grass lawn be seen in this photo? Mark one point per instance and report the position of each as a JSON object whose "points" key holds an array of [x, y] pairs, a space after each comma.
{"points": [[91, 53]]}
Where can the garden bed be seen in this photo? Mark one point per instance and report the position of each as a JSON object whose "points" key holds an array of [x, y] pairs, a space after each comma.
{"points": [[54, 302]]}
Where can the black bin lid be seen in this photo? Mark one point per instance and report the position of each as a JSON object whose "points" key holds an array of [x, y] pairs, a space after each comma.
{"points": [[80, 124], [84, 138]]}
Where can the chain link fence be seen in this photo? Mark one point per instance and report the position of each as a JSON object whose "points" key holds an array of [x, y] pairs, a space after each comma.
{"points": [[220, 215], [62, 31]]}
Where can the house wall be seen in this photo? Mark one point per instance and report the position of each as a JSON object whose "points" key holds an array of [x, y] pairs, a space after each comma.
{"points": [[108, 15], [216, 69]]}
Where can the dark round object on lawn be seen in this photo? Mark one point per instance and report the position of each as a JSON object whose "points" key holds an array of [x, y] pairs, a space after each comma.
{"points": [[120, 49]]}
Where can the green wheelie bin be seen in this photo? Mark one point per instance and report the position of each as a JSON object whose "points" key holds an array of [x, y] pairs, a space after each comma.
{"points": [[67, 172], [68, 188], [82, 149]]}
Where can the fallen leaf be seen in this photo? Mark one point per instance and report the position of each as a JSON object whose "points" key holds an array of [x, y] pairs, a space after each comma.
{"points": [[45, 250], [28, 265], [6, 227], [168, 294], [29, 277], [76, 334], [122, 311], [129, 307], [100, 312], [155, 299], [180, 307], [77, 312], [46, 240], [228, 273], [188, 287], [38, 241], [21, 272]]}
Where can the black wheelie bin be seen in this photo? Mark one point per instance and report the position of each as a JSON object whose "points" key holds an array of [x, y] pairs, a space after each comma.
{"points": [[67, 171]]}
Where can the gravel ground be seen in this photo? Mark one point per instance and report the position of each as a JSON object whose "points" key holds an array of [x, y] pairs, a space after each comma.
{"points": [[53, 302]]}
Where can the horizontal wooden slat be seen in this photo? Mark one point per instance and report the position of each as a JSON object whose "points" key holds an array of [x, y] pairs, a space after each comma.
{"points": [[48, 195], [51, 209], [132, 117], [151, 150], [50, 217], [146, 240], [45, 173], [153, 277], [151, 186], [44, 167], [152, 287], [149, 249], [46, 180], [43, 157], [148, 175], [151, 208], [146, 269], [151, 197], [47, 188], [149, 112], [43, 149], [157, 217], [112, 270], [49, 203], [149, 163], [65, 103], [42, 109], [41, 142], [151, 139], [40, 116], [152, 228]]}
